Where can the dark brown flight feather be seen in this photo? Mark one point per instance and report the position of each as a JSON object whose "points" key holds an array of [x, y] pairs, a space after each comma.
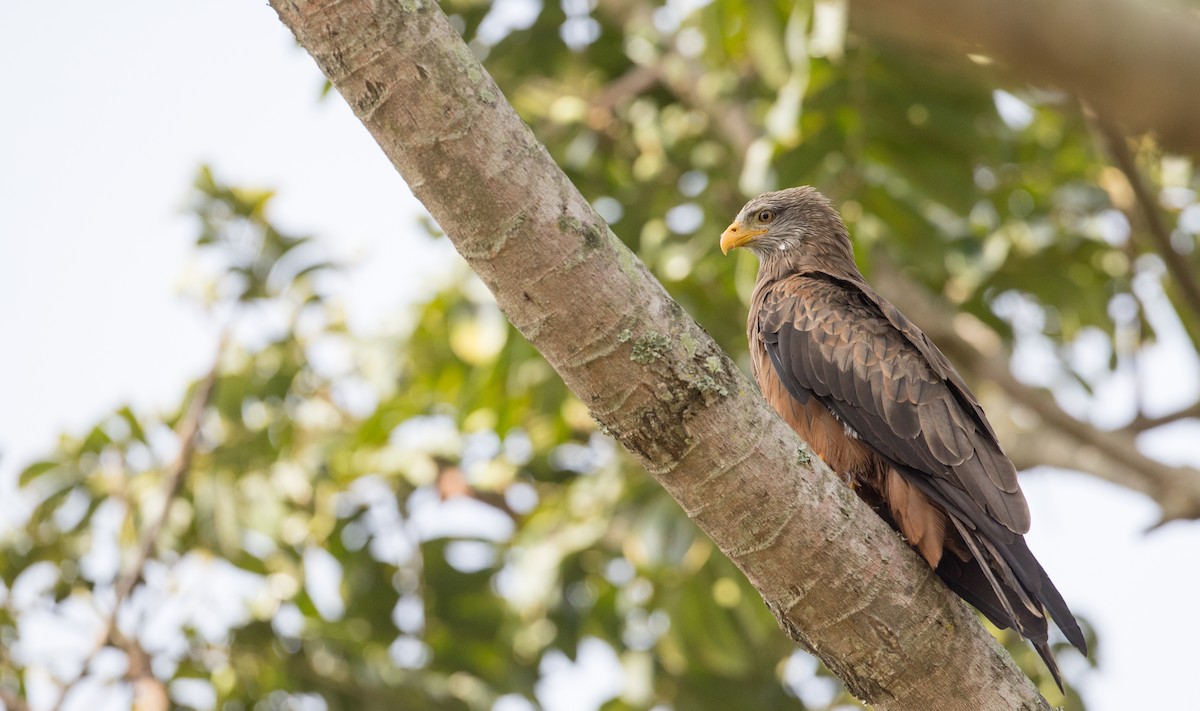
{"points": [[880, 404]]}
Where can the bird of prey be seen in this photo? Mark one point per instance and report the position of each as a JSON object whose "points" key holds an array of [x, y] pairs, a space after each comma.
{"points": [[879, 403]]}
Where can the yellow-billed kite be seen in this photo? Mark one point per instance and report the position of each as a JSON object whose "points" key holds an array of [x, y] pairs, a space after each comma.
{"points": [[881, 405]]}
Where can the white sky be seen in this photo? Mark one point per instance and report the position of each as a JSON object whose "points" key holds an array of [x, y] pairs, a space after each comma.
{"points": [[108, 110]]}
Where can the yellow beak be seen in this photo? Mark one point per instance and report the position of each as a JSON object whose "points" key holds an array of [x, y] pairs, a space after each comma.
{"points": [[734, 236]]}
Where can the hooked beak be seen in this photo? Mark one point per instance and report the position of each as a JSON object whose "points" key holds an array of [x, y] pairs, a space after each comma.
{"points": [[734, 237]]}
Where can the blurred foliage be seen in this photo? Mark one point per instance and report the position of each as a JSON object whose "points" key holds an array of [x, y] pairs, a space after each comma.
{"points": [[434, 522]]}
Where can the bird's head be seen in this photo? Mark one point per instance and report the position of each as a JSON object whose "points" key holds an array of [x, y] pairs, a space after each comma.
{"points": [[794, 225]]}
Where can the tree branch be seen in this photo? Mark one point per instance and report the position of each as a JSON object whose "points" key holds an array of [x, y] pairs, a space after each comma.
{"points": [[631, 84], [1145, 423], [683, 80], [1181, 272], [187, 430], [1134, 61], [12, 702], [839, 580]]}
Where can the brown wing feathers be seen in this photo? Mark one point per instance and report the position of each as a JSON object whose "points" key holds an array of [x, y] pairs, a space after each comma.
{"points": [[937, 470]]}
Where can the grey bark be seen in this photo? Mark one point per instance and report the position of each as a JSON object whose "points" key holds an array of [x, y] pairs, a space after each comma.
{"points": [[841, 583]]}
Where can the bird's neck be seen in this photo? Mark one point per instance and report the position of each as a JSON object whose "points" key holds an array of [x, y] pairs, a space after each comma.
{"points": [[834, 259]]}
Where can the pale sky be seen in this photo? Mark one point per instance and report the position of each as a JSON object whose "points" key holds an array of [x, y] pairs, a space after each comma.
{"points": [[109, 109]]}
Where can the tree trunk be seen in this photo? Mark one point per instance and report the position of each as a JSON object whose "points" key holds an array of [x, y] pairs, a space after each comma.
{"points": [[841, 583]]}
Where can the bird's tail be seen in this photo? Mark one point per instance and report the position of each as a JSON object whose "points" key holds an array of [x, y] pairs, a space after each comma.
{"points": [[1009, 586], [1047, 655]]}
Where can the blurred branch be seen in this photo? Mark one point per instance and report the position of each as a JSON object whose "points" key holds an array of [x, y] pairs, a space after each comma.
{"points": [[12, 702], [1144, 423], [187, 430], [1134, 61], [1062, 440], [683, 80], [682, 77], [648, 372], [632, 83], [1160, 236]]}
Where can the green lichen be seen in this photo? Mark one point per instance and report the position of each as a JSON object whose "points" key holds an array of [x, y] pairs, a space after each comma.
{"points": [[649, 348], [803, 455], [624, 336], [689, 343], [566, 223], [706, 384], [593, 237], [625, 258], [712, 364]]}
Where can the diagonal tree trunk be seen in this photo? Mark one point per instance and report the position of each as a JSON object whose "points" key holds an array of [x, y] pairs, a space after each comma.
{"points": [[841, 583]]}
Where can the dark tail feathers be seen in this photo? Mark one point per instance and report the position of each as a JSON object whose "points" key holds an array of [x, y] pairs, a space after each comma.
{"points": [[1011, 561]]}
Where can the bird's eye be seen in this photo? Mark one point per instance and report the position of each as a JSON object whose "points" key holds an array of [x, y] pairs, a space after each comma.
{"points": [[765, 215]]}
